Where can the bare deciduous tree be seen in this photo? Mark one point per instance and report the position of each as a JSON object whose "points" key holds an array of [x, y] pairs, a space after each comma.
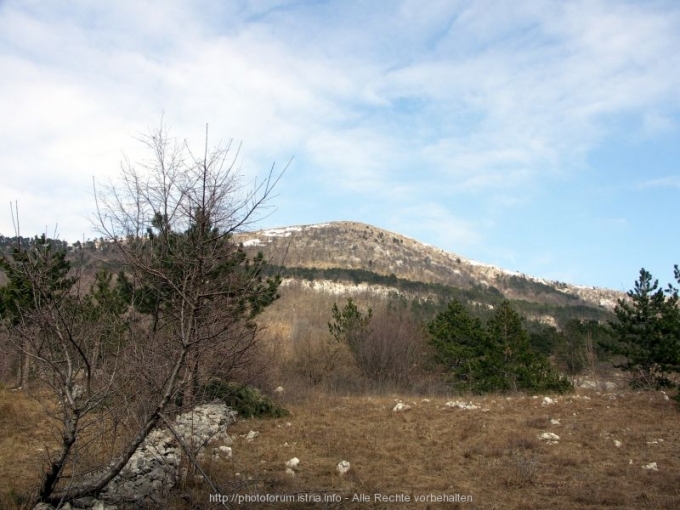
{"points": [[126, 356]]}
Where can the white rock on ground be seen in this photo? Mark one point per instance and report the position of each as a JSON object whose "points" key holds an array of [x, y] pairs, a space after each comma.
{"points": [[400, 407], [279, 390], [293, 463], [651, 467], [617, 443], [342, 468], [461, 405], [550, 437], [154, 468], [290, 472], [547, 401], [224, 451], [555, 421], [251, 435]]}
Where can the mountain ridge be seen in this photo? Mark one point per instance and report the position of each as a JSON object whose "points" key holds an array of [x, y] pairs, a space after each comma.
{"points": [[353, 245]]}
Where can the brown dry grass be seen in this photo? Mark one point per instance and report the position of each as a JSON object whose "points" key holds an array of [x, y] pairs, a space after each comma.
{"points": [[28, 436], [493, 456], [25, 436]]}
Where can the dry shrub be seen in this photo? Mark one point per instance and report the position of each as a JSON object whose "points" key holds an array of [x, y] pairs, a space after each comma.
{"points": [[10, 415], [315, 357], [523, 470], [392, 351], [600, 496], [522, 441], [538, 422]]}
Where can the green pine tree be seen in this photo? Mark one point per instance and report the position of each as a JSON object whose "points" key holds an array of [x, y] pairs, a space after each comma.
{"points": [[496, 358], [350, 326], [647, 332], [458, 340]]}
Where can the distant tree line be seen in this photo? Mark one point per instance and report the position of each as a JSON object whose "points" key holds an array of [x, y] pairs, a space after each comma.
{"points": [[7, 243], [435, 296]]}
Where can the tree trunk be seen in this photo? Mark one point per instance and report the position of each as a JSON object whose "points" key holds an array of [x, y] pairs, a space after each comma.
{"points": [[95, 486]]}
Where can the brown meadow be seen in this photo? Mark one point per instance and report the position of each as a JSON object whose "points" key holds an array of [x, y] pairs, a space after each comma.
{"points": [[491, 455]]}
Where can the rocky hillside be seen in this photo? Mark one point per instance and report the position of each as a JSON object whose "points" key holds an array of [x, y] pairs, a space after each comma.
{"points": [[327, 257]]}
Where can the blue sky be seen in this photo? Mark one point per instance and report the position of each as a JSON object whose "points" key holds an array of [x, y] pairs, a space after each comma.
{"points": [[539, 136]]}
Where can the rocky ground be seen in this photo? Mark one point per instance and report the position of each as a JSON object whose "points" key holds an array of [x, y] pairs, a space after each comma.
{"points": [[591, 449]]}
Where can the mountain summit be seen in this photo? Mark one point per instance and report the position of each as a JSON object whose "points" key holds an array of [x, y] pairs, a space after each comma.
{"points": [[361, 250]]}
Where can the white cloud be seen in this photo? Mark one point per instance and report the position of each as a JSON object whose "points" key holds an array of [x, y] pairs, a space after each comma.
{"points": [[398, 105], [655, 123], [438, 224], [672, 181]]}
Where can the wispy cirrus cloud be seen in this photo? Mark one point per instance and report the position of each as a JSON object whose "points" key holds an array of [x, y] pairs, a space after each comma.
{"points": [[672, 181], [443, 110]]}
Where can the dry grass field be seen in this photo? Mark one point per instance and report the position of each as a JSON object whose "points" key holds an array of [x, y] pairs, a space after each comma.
{"points": [[491, 455]]}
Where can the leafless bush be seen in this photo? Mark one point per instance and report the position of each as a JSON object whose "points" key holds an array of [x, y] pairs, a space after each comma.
{"points": [[524, 469], [392, 351]]}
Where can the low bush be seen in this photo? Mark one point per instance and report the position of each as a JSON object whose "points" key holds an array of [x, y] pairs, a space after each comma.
{"points": [[246, 400]]}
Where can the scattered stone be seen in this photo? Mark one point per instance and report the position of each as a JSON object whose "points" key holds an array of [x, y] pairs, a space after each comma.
{"points": [[555, 421], [206, 423], [651, 467], [224, 451], [400, 407], [617, 443], [279, 390], [461, 405], [342, 468], [293, 463], [665, 397], [547, 401], [549, 437], [290, 472], [251, 435]]}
